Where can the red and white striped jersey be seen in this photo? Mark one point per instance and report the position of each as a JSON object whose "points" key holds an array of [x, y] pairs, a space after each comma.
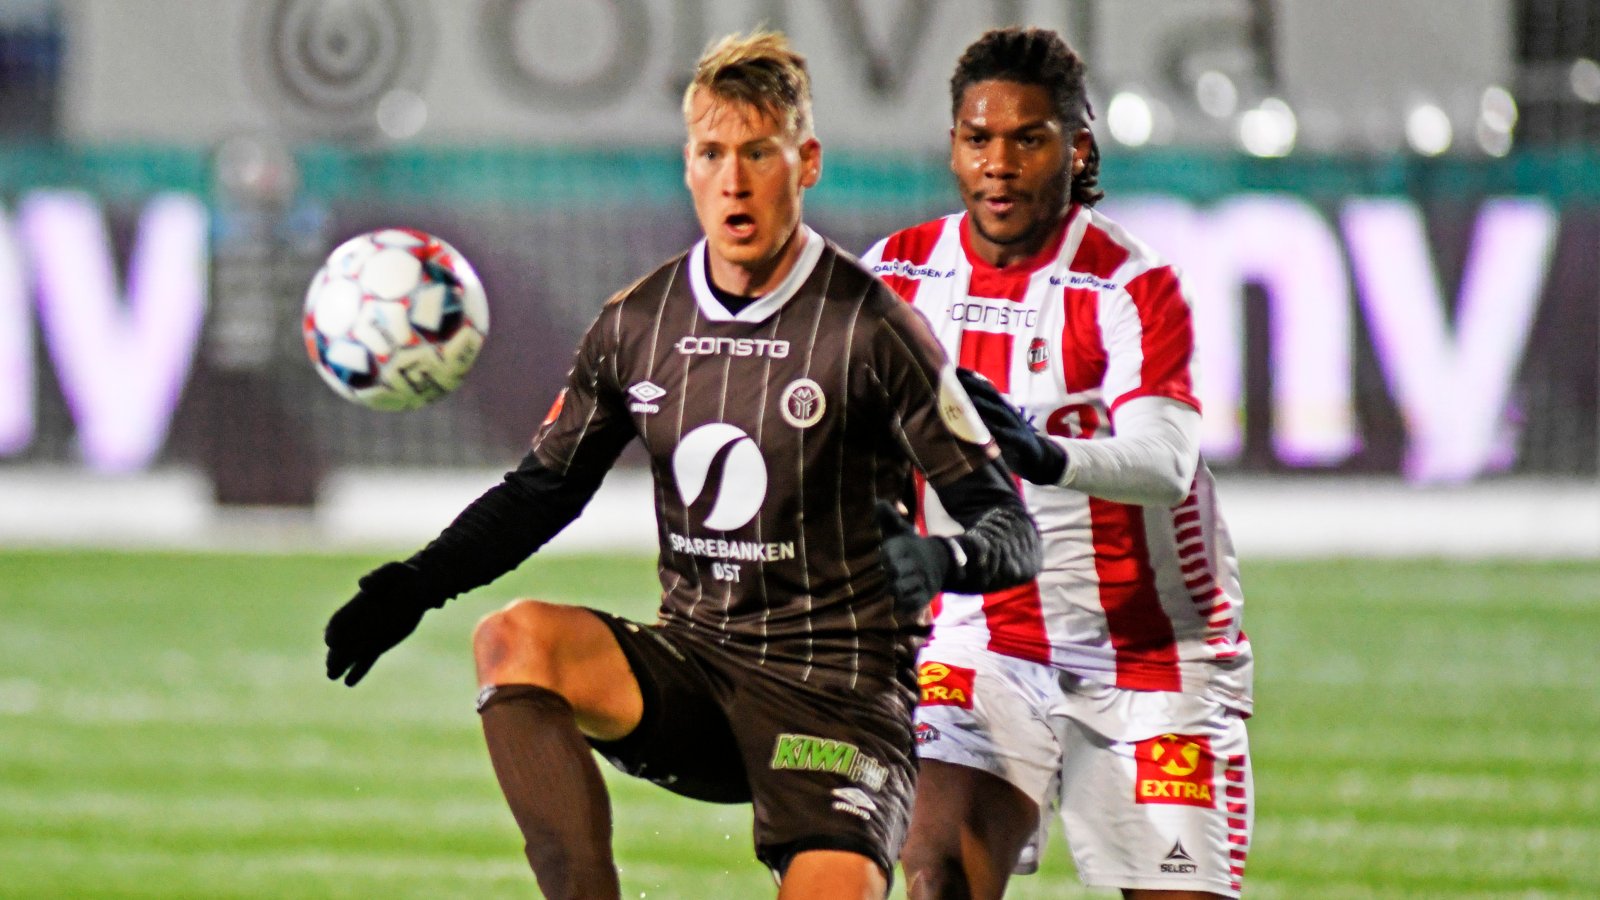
{"points": [[1140, 597]]}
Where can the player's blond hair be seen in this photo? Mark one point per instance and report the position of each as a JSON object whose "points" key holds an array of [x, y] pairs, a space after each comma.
{"points": [[760, 70]]}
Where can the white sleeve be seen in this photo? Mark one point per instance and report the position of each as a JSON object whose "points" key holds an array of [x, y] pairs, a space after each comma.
{"points": [[1150, 462]]}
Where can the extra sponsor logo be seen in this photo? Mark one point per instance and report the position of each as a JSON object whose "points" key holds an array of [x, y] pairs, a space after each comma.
{"points": [[996, 316], [644, 395], [1178, 861], [691, 345], [1038, 355], [926, 734], [854, 801], [908, 270], [809, 753], [957, 411], [743, 485], [1175, 768], [1084, 280], [945, 685], [802, 403]]}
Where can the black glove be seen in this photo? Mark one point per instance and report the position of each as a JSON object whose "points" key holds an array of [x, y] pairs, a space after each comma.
{"points": [[388, 607], [917, 565], [1027, 452]]}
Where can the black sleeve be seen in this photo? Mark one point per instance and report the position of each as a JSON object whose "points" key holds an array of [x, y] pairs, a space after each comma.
{"points": [[1001, 542], [505, 525]]}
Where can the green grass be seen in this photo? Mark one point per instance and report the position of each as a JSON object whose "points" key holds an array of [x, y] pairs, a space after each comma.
{"points": [[1423, 730]]}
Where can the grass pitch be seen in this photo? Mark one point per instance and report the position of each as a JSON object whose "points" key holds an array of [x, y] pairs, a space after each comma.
{"points": [[1423, 730]]}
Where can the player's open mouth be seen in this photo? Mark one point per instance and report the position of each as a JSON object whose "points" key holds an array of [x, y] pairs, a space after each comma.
{"points": [[740, 225], [1001, 204]]}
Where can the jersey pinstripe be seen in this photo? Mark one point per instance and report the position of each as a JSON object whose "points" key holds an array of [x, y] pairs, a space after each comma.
{"points": [[1140, 597], [771, 434]]}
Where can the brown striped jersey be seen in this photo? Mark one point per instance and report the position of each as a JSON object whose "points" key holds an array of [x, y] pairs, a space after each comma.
{"points": [[771, 434]]}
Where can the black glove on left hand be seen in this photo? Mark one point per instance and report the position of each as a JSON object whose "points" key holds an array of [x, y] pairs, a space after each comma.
{"points": [[1027, 452], [383, 612], [917, 565]]}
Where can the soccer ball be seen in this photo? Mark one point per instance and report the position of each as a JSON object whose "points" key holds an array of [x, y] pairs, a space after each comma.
{"points": [[394, 319]]}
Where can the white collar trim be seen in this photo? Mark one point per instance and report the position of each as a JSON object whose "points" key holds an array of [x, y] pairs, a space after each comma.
{"points": [[768, 303]]}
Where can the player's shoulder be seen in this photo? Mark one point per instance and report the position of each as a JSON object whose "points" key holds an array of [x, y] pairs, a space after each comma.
{"points": [[1108, 249], [652, 285], [912, 246]]}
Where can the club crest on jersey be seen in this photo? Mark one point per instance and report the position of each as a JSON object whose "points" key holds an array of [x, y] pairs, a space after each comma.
{"points": [[1038, 355], [1176, 769], [644, 395], [802, 403], [945, 685]]}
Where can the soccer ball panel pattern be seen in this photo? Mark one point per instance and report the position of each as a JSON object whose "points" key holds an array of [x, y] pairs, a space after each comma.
{"points": [[395, 319]]}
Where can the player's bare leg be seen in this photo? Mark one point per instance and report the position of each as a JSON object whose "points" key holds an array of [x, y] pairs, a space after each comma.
{"points": [[552, 674], [833, 875], [967, 830]]}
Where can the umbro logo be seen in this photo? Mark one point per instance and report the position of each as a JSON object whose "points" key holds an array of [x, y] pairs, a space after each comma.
{"points": [[854, 801], [1178, 860], [644, 395]]}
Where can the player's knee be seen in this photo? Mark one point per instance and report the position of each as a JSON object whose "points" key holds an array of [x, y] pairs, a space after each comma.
{"points": [[516, 644], [932, 867]]}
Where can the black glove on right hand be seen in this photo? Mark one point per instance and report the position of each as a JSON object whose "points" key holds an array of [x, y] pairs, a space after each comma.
{"points": [[1027, 452], [917, 565], [383, 612]]}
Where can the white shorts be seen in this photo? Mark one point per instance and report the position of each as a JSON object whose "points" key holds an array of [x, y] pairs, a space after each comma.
{"points": [[1154, 788]]}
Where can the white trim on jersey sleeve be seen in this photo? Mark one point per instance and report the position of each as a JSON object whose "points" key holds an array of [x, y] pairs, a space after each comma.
{"points": [[1150, 461], [768, 303]]}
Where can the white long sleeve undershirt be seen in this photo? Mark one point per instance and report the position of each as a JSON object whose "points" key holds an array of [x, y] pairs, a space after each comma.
{"points": [[1150, 461]]}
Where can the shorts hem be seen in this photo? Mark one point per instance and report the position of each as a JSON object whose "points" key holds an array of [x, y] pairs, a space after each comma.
{"points": [[1147, 883], [777, 857]]}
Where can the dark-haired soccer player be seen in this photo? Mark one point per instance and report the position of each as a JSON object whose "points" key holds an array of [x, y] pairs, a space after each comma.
{"points": [[784, 396], [1117, 684]]}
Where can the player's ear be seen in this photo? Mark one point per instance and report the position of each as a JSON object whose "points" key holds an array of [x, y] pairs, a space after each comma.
{"points": [[952, 148], [686, 166], [1082, 144], [810, 162]]}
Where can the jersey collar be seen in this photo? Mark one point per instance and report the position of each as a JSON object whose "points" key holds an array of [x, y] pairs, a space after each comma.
{"points": [[768, 303], [1070, 226]]}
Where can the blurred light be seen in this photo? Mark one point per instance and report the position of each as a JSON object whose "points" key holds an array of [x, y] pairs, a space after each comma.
{"points": [[1269, 129], [1493, 141], [402, 113], [1216, 94], [1584, 77], [1428, 130], [1130, 119], [1498, 109]]}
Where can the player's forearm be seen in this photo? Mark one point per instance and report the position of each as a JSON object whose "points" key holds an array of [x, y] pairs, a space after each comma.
{"points": [[503, 527], [1150, 462], [999, 547]]}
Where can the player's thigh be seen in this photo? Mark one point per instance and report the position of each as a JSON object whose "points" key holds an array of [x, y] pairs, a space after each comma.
{"points": [[1169, 812], [567, 649], [968, 829], [992, 714], [684, 741], [828, 770], [832, 875]]}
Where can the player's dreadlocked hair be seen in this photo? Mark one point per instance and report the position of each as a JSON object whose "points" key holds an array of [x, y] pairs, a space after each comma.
{"points": [[1035, 56], [761, 70]]}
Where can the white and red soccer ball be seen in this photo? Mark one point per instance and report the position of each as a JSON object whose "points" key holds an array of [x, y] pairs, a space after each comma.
{"points": [[394, 319]]}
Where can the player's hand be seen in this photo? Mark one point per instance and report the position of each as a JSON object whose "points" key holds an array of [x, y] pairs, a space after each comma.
{"points": [[1027, 452], [917, 565], [386, 609]]}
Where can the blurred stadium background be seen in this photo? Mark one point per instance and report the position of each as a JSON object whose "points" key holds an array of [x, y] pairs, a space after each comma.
{"points": [[1389, 211]]}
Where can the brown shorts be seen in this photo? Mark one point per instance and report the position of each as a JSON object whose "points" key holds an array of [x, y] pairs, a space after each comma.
{"points": [[824, 770]]}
